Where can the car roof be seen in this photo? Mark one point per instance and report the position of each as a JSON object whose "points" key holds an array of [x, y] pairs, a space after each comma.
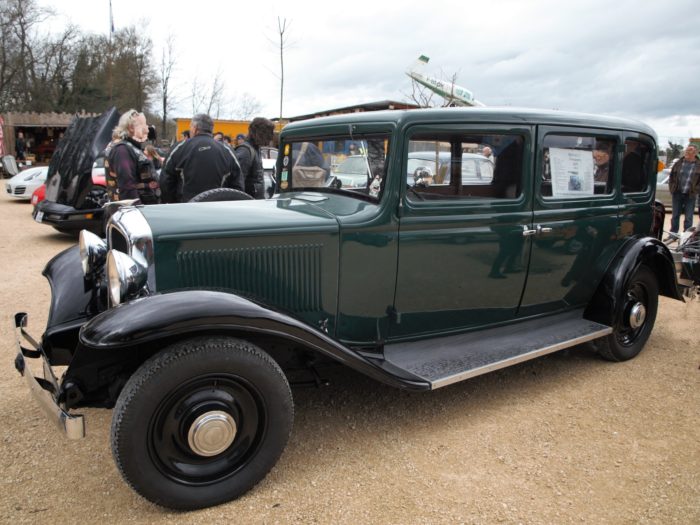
{"points": [[475, 114]]}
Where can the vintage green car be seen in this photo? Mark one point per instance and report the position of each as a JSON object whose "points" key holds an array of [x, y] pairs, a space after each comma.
{"points": [[189, 318]]}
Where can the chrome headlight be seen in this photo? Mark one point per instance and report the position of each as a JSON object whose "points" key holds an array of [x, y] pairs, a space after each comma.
{"points": [[93, 252], [126, 276]]}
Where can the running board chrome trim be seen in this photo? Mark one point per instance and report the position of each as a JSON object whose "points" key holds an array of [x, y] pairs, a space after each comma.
{"points": [[456, 378], [444, 360]]}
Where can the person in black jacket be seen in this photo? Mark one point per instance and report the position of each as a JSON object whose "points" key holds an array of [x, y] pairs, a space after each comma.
{"points": [[199, 164], [260, 133], [129, 173]]}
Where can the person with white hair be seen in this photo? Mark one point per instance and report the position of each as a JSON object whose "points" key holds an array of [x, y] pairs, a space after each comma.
{"points": [[130, 174]]}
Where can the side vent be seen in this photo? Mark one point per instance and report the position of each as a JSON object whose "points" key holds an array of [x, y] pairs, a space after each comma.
{"points": [[286, 276]]}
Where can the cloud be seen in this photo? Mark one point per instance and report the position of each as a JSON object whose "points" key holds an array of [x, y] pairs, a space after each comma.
{"points": [[625, 58]]}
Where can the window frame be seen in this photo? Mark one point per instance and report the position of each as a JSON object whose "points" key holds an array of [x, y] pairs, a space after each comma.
{"points": [[440, 133]]}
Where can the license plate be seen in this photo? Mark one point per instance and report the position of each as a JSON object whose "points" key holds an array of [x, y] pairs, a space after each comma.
{"points": [[39, 216]]}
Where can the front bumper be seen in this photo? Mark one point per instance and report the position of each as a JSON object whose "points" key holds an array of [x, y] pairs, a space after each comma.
{"points": [[44, 390], [68, 219]]}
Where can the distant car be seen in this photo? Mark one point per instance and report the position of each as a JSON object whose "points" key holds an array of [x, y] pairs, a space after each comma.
{"points": [[429, 167], [353, 172], [662, 193], [72, 202], [98, 179], [22, 185], [269, 161]]}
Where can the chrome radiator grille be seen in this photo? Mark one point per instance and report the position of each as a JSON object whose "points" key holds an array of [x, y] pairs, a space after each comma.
{"points": [[286, 276]]}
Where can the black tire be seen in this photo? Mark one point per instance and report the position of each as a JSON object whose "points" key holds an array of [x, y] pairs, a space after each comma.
{"points": [[221, 194], [627, 340], [155, 439]]}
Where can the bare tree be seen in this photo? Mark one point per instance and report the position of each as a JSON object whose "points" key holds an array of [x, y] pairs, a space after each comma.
{"points": [[420, 95], [209, 98], [246, 106], [216, 102], [282, 28], [168, 62]]}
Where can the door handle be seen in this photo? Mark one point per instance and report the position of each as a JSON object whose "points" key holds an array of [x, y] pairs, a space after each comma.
{"points": [[541, 230], [528, 233]]}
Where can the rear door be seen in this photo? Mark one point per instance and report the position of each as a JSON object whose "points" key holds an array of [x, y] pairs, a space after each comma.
{"points": [[575, 216]]}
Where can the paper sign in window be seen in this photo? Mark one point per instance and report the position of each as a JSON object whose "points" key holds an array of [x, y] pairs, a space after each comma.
{"points": [[572, 172]]}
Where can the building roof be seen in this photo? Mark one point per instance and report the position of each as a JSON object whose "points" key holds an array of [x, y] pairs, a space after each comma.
{"points": [[42, 120]]}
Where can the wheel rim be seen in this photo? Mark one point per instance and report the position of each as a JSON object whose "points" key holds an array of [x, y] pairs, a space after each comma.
{"points": [[634, 318], [206, 429]]}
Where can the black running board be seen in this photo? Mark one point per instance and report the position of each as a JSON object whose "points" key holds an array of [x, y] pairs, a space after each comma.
{"points": [[451, 359]]}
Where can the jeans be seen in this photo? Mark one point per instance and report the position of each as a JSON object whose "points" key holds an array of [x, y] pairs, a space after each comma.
{"points": [[682, 202]]}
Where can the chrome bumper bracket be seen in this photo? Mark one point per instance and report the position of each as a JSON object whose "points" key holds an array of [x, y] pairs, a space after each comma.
{"points": [[44, 390]]}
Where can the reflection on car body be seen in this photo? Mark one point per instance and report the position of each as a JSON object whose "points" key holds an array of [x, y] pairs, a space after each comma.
{"points": [[353, 172], [434, 168]]}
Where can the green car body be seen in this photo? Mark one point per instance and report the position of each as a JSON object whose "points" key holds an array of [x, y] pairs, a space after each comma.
{"points": [[418, 285]]}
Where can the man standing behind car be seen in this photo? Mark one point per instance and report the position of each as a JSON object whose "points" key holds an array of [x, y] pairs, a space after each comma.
{"points": [[199, 164], [260, 133], [684, 185]]}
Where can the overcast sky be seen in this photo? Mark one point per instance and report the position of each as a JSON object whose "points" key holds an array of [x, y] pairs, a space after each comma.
{"points": [[636, 59]]}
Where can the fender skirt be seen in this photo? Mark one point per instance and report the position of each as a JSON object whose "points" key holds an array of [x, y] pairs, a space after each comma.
{"points": [[648, 251], [180, 313]]}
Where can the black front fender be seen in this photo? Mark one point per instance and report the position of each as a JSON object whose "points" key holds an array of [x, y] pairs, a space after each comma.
{"points": [[178, 314]]}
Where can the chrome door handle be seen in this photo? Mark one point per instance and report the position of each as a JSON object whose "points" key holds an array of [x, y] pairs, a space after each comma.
{"points": [[541, 230], [528, 233]]}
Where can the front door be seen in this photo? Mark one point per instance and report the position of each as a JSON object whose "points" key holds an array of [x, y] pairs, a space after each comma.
{"points": [[464, 218]]}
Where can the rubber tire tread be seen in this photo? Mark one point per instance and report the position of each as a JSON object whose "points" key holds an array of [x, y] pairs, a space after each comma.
{"points": [[158, 489], [608, 346], [221, 194]]}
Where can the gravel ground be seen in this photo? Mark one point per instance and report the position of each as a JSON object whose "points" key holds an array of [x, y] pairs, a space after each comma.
{"points": [[567, 438]]}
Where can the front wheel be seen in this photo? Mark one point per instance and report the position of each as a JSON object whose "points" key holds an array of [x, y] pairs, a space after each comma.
{"points": [[637, 313], [201, 422]]}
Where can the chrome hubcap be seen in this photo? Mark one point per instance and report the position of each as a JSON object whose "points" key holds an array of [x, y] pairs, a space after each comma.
{"points": [[212, 433], [638, 314]]}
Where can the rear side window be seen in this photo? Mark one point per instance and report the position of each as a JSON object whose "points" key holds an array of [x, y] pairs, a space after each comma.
{"points": [[636, 166], [577, 166], [464, 166]]}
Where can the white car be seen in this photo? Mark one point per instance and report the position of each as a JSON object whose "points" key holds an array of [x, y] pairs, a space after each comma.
{"points": [[22, 185]]}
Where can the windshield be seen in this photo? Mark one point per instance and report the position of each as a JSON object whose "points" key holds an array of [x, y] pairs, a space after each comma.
{"points": [[353, 165]]}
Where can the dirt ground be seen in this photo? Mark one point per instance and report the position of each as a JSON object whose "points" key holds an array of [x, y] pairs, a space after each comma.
{"points": [[567, 438]]}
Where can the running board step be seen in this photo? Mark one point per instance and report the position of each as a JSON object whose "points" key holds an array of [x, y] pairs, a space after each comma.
{"points": [[450, 359]]}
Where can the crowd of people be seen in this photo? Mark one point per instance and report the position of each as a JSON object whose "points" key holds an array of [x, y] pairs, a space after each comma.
{"points": [[202, 160]]}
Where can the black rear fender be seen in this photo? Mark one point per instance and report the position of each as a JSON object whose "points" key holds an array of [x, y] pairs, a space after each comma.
{"points": [[646, 251]]}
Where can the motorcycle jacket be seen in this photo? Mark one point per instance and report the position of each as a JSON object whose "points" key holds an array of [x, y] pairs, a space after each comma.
{"points": [[252, 169], [129, 174], [196, 165]]}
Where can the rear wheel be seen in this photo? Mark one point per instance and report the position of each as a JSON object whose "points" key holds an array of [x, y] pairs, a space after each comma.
{"points": [[201, 422], [638, 307]]}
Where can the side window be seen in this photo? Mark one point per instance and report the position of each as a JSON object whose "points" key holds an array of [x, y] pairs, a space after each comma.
{"points": [[636, 166], [464, 166], [577, 166]]}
